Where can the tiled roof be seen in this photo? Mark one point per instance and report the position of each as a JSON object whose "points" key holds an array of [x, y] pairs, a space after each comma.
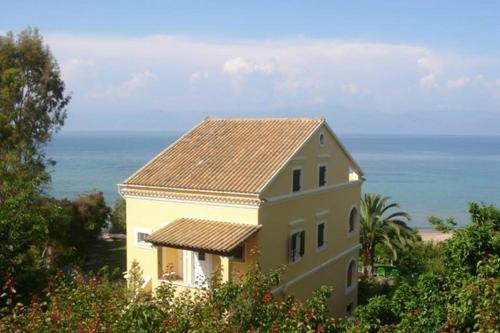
{"points": [[227, 155], [203, 235]]}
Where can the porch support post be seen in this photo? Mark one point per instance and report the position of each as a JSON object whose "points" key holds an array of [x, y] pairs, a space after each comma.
{"points": [[226, 268]]}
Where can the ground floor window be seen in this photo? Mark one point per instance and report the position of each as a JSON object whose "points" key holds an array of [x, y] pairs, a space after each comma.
{"points": [[348, 309], [140, 238], [297, 245], [350, 273]]}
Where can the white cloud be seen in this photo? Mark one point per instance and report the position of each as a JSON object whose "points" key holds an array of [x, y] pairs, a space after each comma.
{"points": [[280, 75], [125, 89], [458, 83], [74, 66], [428, 81], [197, 76], [430, 63], [350, 88], [239, 66], [138, 80]]}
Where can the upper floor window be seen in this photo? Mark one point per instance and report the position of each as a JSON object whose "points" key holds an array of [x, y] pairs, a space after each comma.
{"points": [[297, 245], [353, 217], [321, 139], [322, 176], [296, 180], [320, 235]]}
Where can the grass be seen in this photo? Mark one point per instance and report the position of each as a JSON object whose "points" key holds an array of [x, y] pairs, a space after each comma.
{"points": [[107, 253]]}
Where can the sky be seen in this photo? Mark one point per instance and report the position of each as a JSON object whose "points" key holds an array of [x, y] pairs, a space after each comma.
{"points": [[418, 67]]}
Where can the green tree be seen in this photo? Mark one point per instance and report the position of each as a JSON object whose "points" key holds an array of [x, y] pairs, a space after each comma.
{"points": [[119, 217], [442, 225], [461, 296], [379, 226], [32, 108]]}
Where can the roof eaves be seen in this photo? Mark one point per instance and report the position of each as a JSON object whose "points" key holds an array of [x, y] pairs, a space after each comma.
{"points": [[344, 149], [273, 177]]}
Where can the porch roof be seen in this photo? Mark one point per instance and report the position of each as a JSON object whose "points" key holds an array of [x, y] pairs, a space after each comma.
{"points": [[210, 236]]}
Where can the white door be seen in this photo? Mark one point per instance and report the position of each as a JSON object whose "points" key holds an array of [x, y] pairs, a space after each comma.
{"points": [[202, 267]]}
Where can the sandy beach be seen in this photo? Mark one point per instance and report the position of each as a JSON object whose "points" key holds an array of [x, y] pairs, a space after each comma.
{"points": [[434, 236]]}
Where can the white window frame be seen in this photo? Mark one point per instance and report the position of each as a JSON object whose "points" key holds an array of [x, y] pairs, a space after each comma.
{"points": [[301, 180], [143, 245], [326, 174], [354, 285], [356, 221], [299, 257], [322, 247]]}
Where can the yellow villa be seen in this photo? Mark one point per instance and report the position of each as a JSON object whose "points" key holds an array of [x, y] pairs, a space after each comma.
{"points": [[233, 192]]}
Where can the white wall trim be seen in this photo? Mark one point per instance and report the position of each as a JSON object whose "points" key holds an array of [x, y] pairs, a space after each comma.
{"points": [[323, 156], [322, 214], [295, 222], [195, 202], [315, 269], [294, 195]]}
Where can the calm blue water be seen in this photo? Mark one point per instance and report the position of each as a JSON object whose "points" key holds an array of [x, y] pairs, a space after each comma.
{"points": [[426, 174]]}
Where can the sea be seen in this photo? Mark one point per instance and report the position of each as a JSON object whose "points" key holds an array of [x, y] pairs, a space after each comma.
{"points": [[426, 174]]}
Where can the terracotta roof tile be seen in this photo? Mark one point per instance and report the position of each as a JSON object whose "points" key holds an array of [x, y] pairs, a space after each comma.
{"points": [[227, 155], [203, 235]]}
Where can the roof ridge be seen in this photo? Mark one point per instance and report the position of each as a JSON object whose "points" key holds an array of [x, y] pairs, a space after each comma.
{"points": [[266, 118]]}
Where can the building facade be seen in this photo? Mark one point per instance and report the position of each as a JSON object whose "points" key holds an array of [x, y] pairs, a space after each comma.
{"points": [[234, 192]]}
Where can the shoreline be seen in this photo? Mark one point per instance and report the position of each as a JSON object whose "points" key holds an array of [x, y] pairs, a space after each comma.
{"points": [[434, 236]]}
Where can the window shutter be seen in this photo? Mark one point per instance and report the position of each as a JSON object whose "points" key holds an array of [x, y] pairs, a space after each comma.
{"points": [[292, 245], [302, 242]]}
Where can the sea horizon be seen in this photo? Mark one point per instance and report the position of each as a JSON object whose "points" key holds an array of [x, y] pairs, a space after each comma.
{"points": [[427, 174]]}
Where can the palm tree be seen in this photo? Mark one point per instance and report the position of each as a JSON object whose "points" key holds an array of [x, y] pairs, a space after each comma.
{"points": [[379, 226]]}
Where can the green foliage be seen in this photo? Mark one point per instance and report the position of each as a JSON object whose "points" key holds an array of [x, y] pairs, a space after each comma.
{"points": [[421, 257], [376, 315], [119, 217], [32, 103], [462, 295], [442, 225], [368, 287], [32, 108], [379, 227], [90, 215], [135, 278], [95, 304]]}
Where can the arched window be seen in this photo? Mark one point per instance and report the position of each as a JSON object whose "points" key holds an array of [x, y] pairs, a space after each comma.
{"points": [[350, 273], [321, 139], [353, 216]]}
